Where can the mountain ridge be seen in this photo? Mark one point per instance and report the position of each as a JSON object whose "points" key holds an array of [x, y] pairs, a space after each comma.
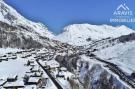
{"points": [[12, 17], [77, 34]]}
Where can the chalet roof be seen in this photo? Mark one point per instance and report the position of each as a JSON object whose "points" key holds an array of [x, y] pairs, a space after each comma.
{"points": [[34, 73], [53, 63], [18, 83], [63, 68], [36, 68], [34, 79], [12, 77], [2, 82]]}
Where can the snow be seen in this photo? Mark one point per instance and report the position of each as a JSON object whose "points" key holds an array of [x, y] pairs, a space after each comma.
{"points": [[31, 87], [18, 20], [34, 79], [50, 85], [64, 83], [12, 67], [16, 83], [63, 69], [61, 80], [52, 64], [121, 54], [7, 50], [77, 34], [2, 81]]}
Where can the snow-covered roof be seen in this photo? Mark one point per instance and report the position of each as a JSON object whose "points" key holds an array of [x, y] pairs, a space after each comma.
{"points": [[14, 84], [2, 81], [53, 64], [12, 76], [36, 68], [63, 68], [34, 79]]}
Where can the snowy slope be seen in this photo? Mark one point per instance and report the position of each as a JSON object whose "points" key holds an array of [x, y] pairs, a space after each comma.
{"points": [[17, 31], [12, 17], [81, 34], [121, 54]]}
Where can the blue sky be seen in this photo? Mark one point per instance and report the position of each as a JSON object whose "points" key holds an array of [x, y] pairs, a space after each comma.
{"points": [[57, 14]]}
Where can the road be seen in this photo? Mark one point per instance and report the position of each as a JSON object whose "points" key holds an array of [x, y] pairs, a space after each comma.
{"points": [[51, 77], [114, 68]]}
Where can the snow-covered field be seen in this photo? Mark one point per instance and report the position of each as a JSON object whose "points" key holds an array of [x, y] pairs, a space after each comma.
{"points": [[12, 68]]}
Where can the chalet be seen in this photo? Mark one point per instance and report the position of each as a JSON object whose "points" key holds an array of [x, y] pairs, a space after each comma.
{"points": [[28, 63], [4, 59], [47, 67], [35, 69], [14, 85], [19, 52], [12, 57], [12, 78], [13, 54], [33, 81], [60, 75], [31, 61], [9, 53], [133, 74], [92, 55], [53, 65], [38, 74], [94, 50], [4, 56], [23, 57], [32, 65], [35, 74], [63, 69], [26, 55], [33, 53]]}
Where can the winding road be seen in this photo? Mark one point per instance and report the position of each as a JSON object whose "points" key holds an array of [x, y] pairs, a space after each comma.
{"points": [[115, 69]]}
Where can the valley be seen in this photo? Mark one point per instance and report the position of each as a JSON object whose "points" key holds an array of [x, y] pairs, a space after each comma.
{"points": [[83, 56]]}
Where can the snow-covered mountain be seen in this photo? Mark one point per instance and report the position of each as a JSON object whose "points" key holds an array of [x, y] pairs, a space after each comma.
{"points": [[111, 48], [17, 31], [91, 65], [121, 53], [105, 64], [82, 34], [12, 17]]}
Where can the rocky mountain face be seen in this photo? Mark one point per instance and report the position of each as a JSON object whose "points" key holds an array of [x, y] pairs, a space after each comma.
{"points": [[90, 63], [16, 31], [13, 18]]}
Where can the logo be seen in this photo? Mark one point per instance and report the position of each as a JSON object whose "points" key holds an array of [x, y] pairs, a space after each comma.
{"points": [[123, 10], [122, 14]]}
